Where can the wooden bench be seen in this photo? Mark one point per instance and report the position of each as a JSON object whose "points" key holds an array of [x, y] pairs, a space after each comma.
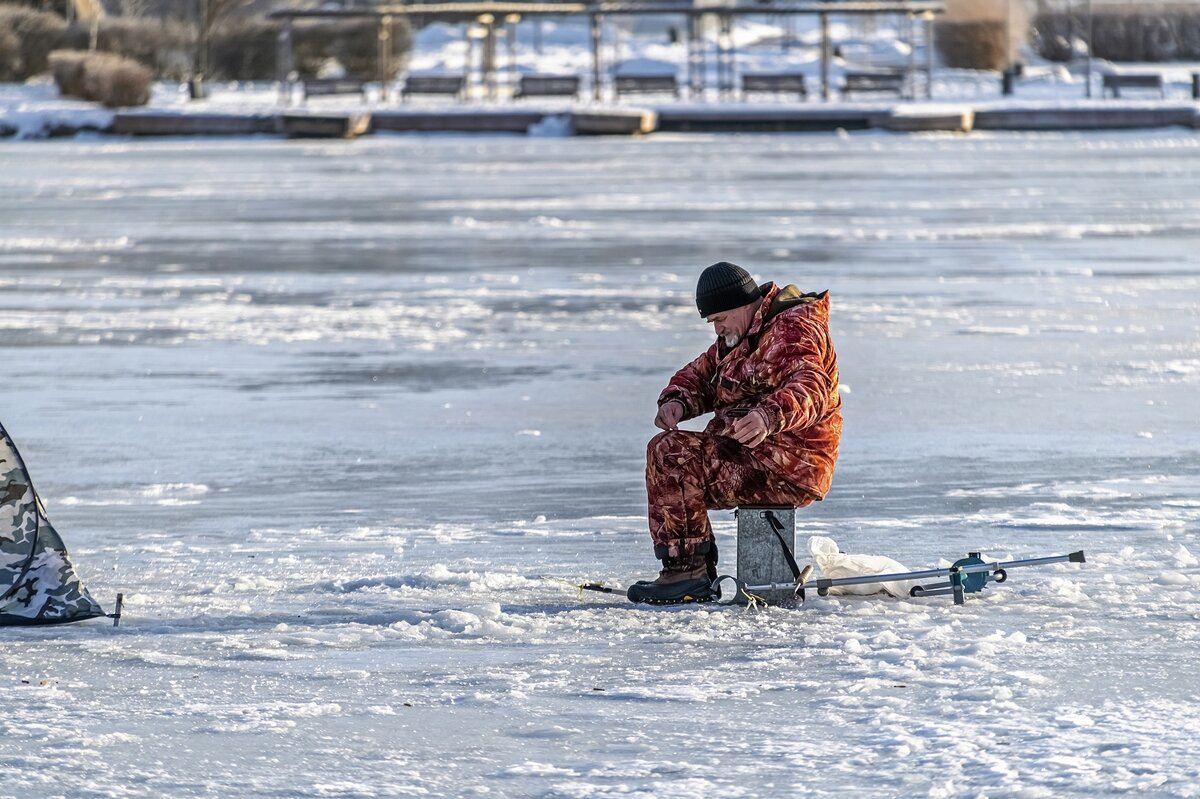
{"points": [[646, 84], [547, 86], [453, 85], [1115, 81], [774, 83], [324, 87], [890, 81]]}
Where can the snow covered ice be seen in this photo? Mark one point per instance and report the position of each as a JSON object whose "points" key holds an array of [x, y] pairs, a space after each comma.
{"points": [[332, 414]]}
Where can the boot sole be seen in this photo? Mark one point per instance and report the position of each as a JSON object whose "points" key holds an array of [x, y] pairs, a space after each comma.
{"points": [[649, 594]]}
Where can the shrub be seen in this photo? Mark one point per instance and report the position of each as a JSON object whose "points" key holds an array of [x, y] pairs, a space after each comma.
{"points": [[166, 48], [10, 56], [37, 34], [67, 68], [1124, 33], [240, 49], [101, 77], [354, 43], [979, 44], [980, 34], [246, 49], [115, 81]]}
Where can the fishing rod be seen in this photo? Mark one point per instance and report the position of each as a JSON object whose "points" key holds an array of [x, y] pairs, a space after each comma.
{"points": [[968, 575]]}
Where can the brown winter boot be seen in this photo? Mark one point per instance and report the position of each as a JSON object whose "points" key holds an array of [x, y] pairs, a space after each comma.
{"points": [[682, 579]]}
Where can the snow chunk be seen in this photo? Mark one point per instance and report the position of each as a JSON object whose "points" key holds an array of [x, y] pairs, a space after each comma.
{"points": [[1184, 558], [1075, 720]]}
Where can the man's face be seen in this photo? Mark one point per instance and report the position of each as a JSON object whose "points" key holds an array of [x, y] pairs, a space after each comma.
{"points": [[732, 325]]}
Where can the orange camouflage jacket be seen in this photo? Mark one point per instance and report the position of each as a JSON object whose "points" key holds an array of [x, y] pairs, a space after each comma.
{"points": [[784, 368]]}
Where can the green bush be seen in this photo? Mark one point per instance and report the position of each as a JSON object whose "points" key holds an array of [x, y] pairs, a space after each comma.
{"points": [[113, 80]]}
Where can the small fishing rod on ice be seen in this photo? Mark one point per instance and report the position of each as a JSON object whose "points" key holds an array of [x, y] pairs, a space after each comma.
{"points": [[968, 575]]}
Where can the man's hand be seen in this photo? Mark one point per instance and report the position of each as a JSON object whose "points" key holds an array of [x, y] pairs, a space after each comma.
{"points": [[750, 430], [669, 414]]}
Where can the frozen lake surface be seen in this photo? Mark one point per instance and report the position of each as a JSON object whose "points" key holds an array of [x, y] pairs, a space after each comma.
{"points": [[331, 414]]}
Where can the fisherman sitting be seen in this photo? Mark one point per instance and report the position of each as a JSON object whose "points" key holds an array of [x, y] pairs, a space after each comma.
{"points": [[771, 381]]}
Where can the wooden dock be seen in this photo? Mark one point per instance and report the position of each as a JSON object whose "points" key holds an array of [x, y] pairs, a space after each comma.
{"points": [[451, 120], [348, 125], [770, 118], [588, 120], [168, 123], [1105, 116], [322, 126]]}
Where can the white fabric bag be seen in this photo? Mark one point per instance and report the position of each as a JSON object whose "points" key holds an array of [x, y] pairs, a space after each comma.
{"points": [[834, 563]]}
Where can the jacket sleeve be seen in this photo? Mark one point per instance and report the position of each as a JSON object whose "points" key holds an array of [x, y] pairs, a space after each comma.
{"points": [[801, 358], [693, 385]]}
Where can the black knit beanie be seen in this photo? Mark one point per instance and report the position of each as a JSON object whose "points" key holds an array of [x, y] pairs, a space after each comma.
{"points": [[723, 287]]}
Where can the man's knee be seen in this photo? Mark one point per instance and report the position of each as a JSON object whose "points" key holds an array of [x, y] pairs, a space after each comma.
{"points": [[670, 446]]}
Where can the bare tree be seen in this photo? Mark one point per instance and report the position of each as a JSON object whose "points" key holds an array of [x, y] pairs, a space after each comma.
{"points": [[210, 15], [138, 8]]}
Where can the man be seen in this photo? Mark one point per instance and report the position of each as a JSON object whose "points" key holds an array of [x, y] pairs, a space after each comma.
{"points": [[771, 381]]}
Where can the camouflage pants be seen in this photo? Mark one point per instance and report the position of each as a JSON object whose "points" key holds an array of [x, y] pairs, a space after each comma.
{"points": [[688, 473]]}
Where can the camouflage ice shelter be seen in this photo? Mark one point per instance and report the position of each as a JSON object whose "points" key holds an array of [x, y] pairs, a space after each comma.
{"points": [[38, 584]]}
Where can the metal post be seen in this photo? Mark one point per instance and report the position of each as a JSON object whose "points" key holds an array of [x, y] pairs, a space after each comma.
{"points": [[384, 67], [510, 39], [824, 56], [730, 55], [1071, 19], [196, 81], [489, 54], [1008, 35], [202, 56], [929, 55], [469, 63], [910, 30], [597, 30], [688, 35], [1088, 70], [720, 54], [695, 78], [283, 60], [719, 46]]}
